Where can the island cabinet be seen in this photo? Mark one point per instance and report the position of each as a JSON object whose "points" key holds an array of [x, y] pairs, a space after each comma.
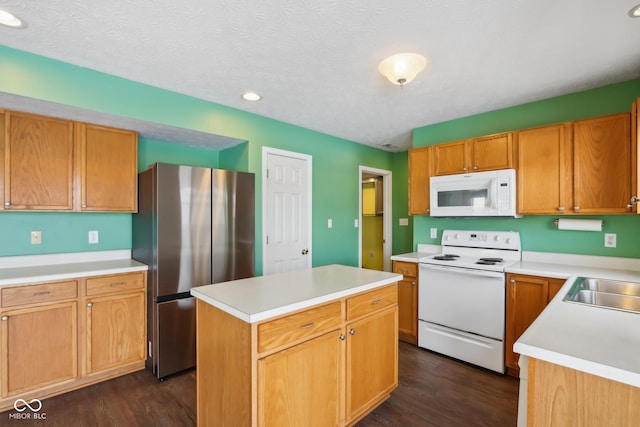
{"points": [[326, 365], [527, 296], [50, 345], [491, 152], [419, 173], [50, 164], [407, 301], [561, 396]]}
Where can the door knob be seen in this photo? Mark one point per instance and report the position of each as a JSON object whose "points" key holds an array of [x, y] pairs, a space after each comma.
{"points": [[305, 251]]}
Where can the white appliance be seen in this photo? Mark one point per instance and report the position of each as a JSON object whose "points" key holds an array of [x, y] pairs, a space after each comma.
{"points": [[461, 303], [491, 193]]}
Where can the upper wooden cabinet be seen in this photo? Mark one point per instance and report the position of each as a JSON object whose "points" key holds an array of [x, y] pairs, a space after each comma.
{"points": [[544, 169], [37, 162], [419, 173], [492, 152], [108, 168], [586, 166], [603, 164], [47, 166]]}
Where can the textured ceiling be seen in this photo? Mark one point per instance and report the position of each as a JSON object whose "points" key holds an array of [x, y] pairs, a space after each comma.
{"points": [[315, 61]]}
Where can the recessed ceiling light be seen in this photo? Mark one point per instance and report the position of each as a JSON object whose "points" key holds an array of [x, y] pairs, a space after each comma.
{"points": [[251, 96], [11, 20], [635, 12]]}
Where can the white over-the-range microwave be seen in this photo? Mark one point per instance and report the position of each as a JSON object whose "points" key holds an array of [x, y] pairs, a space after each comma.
{"points": [[491, 193]]}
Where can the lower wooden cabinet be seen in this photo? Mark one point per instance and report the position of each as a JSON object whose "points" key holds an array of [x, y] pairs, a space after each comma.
{"points": [[39, 347], [371, 361], [309, 373], [329, 366], [60, 336], [407, 301], [560, 396], [527, 296]]}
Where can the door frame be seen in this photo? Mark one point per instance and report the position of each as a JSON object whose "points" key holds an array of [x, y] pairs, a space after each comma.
{"points": [[387, 219], [265, 209]]}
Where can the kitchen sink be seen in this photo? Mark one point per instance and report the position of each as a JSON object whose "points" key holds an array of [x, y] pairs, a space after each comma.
{"points": [[613, 294]]}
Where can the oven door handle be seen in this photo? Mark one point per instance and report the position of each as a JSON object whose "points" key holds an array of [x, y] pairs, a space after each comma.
{"points": [[462, 270]]}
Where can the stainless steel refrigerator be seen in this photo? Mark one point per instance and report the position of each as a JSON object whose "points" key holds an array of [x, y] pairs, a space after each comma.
{"points": [[194, 226]]}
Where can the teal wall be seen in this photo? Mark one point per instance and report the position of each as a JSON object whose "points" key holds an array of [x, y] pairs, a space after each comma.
{"points": [[538, 233], [335, 161]]}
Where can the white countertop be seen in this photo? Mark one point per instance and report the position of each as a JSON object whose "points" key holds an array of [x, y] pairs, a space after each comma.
{"points": [[21, 270], [595, 340], [423, 251], [263, 297]]}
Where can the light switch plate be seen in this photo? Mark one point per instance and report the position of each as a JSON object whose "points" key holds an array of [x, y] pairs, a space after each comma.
{"points": [[404, 222], [433, 233], [329, 223]]}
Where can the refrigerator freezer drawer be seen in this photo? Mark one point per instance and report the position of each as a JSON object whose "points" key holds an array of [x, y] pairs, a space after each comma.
{"points": [[475, 349], [175, 348]]}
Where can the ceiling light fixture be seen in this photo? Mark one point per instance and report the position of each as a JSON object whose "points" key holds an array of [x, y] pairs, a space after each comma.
{"points": [[401, 68], [10, 20], [635, 12], [251, 96]]}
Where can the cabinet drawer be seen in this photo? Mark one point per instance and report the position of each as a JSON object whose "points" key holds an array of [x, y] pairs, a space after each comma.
{"points": [[33, 294], [291, 328], [407, 269], [113, 284], [369, 302]]}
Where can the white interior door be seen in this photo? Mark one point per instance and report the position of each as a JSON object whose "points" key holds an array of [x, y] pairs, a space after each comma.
{"points": [[286, 215]]}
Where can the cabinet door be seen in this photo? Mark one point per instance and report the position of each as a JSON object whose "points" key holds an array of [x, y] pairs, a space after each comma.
{"points": [[372, 360], [39, 344], [116, 331], [451, 158], [300, 386], [492, 152], [108, 165], [407, 301], [527, 296], [602, 164], [419, 173], [38, 162], [544, 170]]}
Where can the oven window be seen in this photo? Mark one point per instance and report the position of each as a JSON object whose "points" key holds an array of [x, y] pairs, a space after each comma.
{"points": [[467, 198]]}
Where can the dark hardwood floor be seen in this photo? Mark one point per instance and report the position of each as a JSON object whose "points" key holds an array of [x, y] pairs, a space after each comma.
{"points": [[433, 391]]}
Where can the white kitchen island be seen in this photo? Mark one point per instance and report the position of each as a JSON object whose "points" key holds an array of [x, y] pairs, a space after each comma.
{"points": [[314, 347]]}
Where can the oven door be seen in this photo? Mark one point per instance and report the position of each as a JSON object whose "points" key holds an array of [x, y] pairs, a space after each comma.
{"points": [[464, 299]]}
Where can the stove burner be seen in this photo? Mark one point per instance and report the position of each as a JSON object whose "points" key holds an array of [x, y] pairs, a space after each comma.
{"points": [[446, 257], [489, 261]]}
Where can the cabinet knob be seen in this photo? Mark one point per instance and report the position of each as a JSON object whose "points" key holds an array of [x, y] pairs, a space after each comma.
{"points": [[352, 331], [342, 337], [90, 304], [576, 208], [84, 205], [475, 168], [7, 203], [5, 318], [560, 208], [413, 283], [464, 169], [512, 281]]}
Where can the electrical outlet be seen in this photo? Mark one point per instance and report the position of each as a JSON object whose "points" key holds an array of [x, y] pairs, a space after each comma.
{"points": [[36, 237], [433, 233], [610, 240], [93, 237]]}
